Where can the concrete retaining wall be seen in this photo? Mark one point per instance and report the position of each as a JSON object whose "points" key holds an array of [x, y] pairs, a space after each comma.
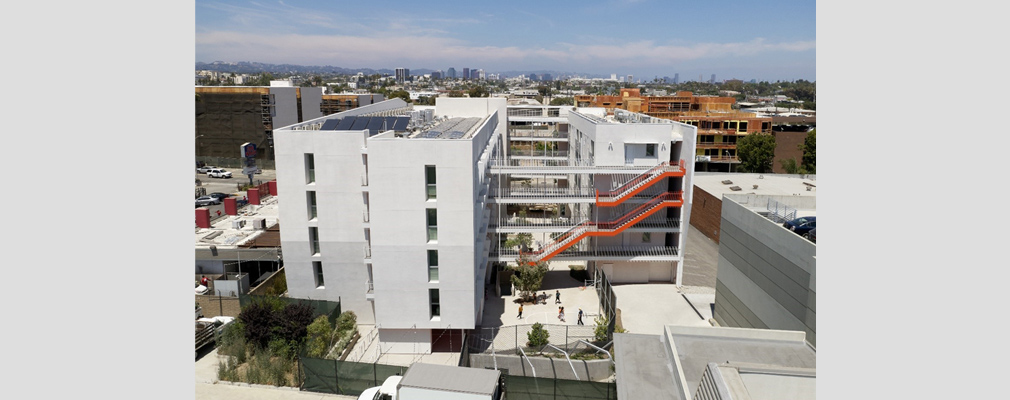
{"points": [[596, 370]]}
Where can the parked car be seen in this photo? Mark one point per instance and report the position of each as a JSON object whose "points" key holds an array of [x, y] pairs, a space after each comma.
{"points": [[220, 196], [812, 235], [801, 225], [205, 169], [207, 201], [219, 173]]}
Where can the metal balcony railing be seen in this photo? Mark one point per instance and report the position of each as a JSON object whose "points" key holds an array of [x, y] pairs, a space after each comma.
{"points": [[368, 250], [537, 133], [543, 191], [364, 216], [368, 286], [602, 251], [538, 153]]}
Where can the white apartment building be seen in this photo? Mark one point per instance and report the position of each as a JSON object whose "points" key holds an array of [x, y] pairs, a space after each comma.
{"points": [[612, 191], [405, 211]]}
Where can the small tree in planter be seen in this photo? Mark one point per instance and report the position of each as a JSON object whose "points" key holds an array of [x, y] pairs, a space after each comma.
{"points": [[537, 336], [529, 277]]}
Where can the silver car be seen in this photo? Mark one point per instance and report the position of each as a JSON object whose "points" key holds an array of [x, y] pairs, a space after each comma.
{"points": [[207, 201]]}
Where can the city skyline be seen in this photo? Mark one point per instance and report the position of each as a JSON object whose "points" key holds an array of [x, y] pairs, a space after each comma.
{"points": [[644, 38]]}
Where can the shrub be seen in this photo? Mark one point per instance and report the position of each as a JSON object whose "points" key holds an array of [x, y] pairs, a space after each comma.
{"points": [[600, 332], [347, 321], [293, 321], [259, 319], [279, 285], [537, 336], [317, 341]]}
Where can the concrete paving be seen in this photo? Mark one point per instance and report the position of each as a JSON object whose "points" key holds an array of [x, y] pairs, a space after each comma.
{"points": [[646, 308], [502, 311]]}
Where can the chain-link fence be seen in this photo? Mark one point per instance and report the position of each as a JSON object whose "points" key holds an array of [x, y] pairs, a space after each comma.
{"points": [[608, 299], [508, 339]]}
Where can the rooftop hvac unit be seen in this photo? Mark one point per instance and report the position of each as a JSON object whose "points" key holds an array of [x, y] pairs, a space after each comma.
{"points": [[259, 223], [237, 224]]}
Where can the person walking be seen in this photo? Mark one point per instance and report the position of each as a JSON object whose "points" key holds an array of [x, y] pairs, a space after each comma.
{"points": [[520, 316], [557, 297], [562, 315], [580, 317]]}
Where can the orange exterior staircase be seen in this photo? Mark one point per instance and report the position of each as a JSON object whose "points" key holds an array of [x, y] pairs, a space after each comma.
{"points": [[609, 228], [634, 186]]}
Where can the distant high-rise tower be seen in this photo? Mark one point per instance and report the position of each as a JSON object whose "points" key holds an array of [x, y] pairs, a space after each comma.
{"points": [[631, 78], [451, 72], [613, 77], [676, 78], [712, 81], [466, 73], [473, 73], [402, 74]]}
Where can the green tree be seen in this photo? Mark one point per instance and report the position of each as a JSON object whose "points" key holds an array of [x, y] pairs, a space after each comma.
{"points": [[528, 277], [756, 152], [563, 101], [317, 342], [521, 240], [477, 91], [401, 94], [455, 93], [790, 166], [809, 148]]}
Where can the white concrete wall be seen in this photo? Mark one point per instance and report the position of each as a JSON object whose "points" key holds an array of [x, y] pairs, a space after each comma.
{"points": [[399, 231], [405, 341], [340, 207]]}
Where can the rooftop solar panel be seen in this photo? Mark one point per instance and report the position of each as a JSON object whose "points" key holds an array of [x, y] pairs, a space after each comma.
{"points": [[360, 123], [375, 124], [345, 124], [401, 123], [329, 125]]}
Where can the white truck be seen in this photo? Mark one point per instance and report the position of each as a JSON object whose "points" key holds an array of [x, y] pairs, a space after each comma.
{"points": [[438, 382]]}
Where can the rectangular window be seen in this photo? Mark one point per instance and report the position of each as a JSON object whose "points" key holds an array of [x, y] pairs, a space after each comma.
{"points": [[433, 300], [314, 239], [317, 271], [650, 150], [310, 168], [646, 237], [732, 125], [311, 199], [432, 224], [743, 126], [432, 265], [429, 180], [766, 126]]}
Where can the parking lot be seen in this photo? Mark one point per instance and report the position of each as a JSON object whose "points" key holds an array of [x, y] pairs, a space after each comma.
{"points": [[230, 185]]}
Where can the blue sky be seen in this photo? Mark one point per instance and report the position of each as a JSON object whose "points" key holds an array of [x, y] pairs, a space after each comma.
{"points": [[769, 40]]}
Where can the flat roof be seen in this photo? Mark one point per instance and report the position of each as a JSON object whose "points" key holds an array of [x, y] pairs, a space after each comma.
{"points": [[767, 184], [648, 377], [696, 347], [451, 378], [223, 234]]}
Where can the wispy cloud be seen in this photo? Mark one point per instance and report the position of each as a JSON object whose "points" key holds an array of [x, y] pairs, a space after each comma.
{"points": [[436, 50]]}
